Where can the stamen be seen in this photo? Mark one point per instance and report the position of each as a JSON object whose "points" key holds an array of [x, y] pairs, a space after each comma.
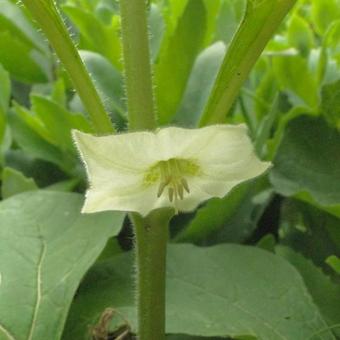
{"points": [[180, 191], [171, 175], [185, 185], [162, 186], [171, 194]]}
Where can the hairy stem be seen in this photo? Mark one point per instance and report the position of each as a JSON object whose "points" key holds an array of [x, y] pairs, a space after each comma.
{"points": [[138, 76], [151, 241], [50, 21], [151, 232], [261, 19]]}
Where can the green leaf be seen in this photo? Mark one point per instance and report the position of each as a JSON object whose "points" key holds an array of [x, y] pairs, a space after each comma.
{"points": [[23, 51], [66, 186], [229, 18], [32, 121], [265, 95], [289, 71], [108, 81], [331, 37], [14, 182], [96, 36], [330, 103], [176, 9], [261, 19], [230, 219], [300, 35], [157, 28], [323, 13], [188, 337], [44, 173], [46, 248], [58, 121], [177, 57], [242, 291], [265, 127], [309, 231], [33, 144], [307, 163], [58, 94], [5, 92], [267, 242], [20, 60], [334, 262], [200, 83], [13, 20], [212, 10], [325, 293]]}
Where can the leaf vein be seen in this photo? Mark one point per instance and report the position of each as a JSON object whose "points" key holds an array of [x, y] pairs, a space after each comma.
{"points": [[39, 289], [7, 333]]}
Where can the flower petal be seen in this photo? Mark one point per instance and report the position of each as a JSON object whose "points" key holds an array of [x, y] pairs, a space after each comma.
{"points": [[117, 166], [130, 150], [137, 198], [115, 158], [204, 142]]}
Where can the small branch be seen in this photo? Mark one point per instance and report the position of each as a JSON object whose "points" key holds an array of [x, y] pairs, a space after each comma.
{"points": [[261, 19], [50, 21]]}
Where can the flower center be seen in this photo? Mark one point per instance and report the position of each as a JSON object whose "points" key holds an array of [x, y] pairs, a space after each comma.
{"points": [[172, 178], [173, 175]]}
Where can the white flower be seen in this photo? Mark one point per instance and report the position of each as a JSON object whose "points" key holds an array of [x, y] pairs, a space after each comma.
{"points": [[171, 167]]}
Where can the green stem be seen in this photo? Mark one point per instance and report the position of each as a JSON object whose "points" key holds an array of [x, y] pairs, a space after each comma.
{"points": [[50, 21], [261, 19], [151, 241], [151, 232], [138, 77]]}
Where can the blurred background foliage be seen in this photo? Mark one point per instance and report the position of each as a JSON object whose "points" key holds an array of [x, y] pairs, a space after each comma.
{"points": [[290, 103]]}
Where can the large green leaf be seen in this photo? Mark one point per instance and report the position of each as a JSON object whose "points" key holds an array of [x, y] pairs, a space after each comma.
{"points": [[177, 57], [46, 248], [218, 291], [307, 163], [325, 293]]}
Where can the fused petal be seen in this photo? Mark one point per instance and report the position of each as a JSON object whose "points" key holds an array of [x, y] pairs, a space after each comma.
{"points": [[172, 167]]}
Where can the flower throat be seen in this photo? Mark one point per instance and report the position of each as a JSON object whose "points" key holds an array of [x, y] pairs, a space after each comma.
{"points": [[172, 175]]}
